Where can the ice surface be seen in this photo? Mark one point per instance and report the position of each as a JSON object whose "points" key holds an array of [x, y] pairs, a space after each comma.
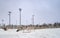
{"points": [[39, 33]]}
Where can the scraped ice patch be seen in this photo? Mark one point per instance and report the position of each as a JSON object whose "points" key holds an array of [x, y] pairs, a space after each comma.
{"points": [[8, 36], [9, 31], [42, 33]]}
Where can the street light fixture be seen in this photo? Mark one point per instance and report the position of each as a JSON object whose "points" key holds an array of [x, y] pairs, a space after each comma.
{"points": [[9, 18], [32, 19], [2, 21], [20, 14]]}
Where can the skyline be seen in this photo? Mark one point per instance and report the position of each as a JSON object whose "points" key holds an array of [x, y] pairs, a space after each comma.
{"points": [[45, 11]]}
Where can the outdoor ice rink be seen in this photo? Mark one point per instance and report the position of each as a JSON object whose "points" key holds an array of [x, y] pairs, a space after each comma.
{"points": [[39, 33]]}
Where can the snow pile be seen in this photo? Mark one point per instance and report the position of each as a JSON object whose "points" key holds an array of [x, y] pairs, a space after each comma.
{"points": [[39, 33]]}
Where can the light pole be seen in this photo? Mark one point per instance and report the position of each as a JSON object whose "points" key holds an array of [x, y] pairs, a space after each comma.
{"points": [[9, 18], [2, 21], [20, 15], [32, 19]]}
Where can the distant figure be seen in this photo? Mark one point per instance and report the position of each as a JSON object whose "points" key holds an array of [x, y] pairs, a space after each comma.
{"points": [[17, 30], [5, 29]]}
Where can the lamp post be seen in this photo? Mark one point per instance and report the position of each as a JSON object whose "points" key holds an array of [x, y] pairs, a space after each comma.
{"points": [[32, 19], [9, 18], [20, 15], [2, 21]]}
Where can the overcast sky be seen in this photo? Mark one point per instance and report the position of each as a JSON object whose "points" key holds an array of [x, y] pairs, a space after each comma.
{"points": [[45, 11]]}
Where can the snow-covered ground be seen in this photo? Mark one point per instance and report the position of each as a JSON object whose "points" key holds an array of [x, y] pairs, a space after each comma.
{"points": [[39, 33]]}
